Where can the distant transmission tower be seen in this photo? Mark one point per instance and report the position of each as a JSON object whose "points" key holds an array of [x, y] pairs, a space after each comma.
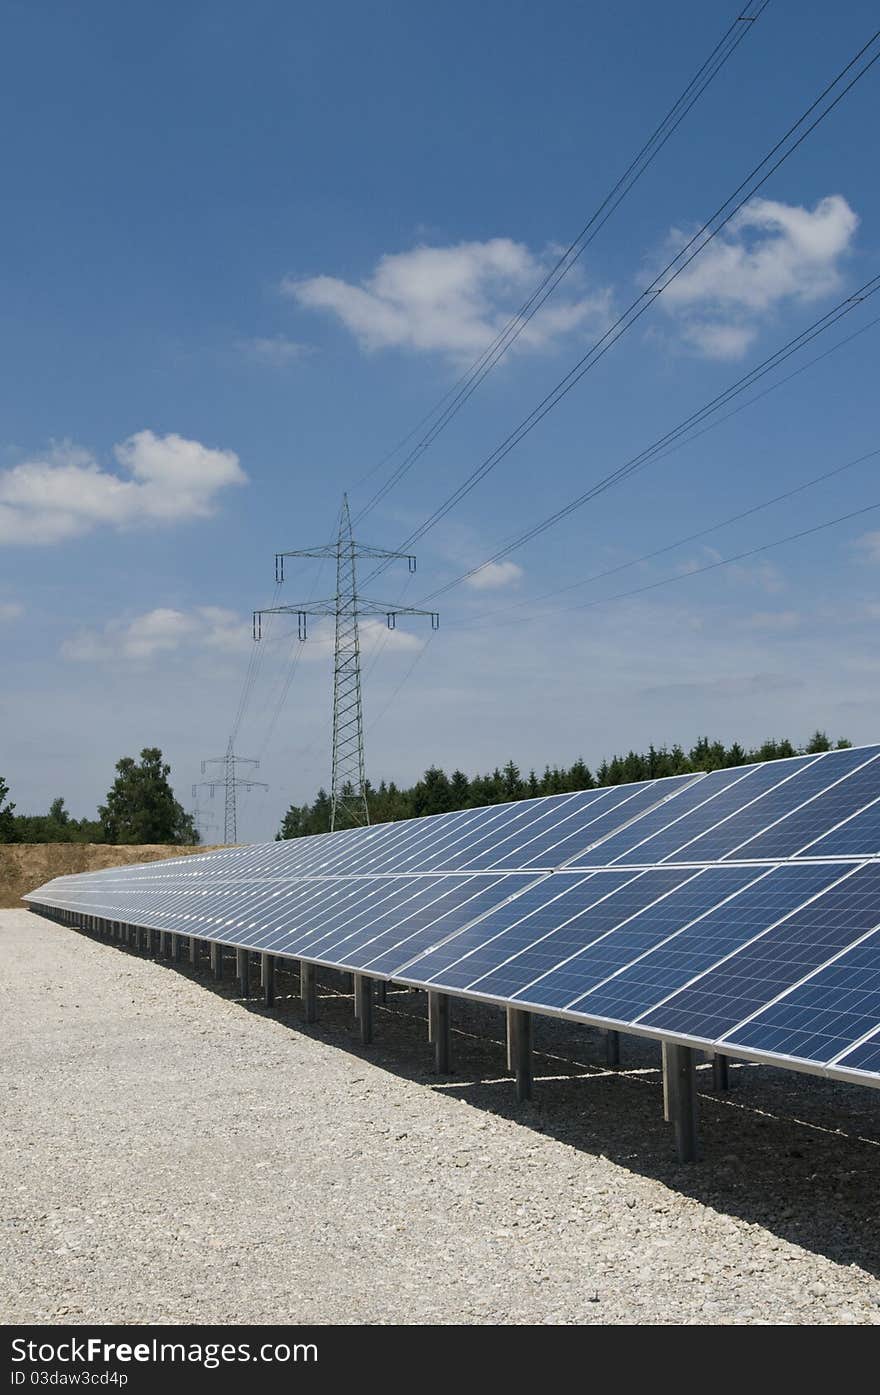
{"points": [[203, 822], [348, 785], [229, 782]]}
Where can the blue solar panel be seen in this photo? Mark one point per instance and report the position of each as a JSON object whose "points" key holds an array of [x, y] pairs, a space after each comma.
{"points": [[587, 920], [669, 967], [565, 985], [739, 793], [428, 840], [859, 837], [384, 952], [558, 821], [825, 1015], [650, 929], [626, 803], [626, 846], [864, 1057], [358, 905], [540, 910], [806, 778], [722, 998], [512, 828], [782, 960], [823, 811]]}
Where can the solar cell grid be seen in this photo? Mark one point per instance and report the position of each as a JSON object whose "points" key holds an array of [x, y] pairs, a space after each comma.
{"points": [[384, 905], [739, 793], [726, 995], [865, 1056], [544, 907], [782, 961], [824, 1015], [827, 807], [556, 821], [857, 837], [806, 780], [626, 803], [688, 907], [512, 826], [626, 845], [386, 954], [584, 923]]}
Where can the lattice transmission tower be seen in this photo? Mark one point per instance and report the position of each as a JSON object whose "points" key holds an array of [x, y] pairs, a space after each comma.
{"points": [[348, 784], [230, 781], [204, 823]]}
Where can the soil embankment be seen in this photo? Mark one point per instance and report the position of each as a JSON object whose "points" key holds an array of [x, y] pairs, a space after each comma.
{"points": [[24, 866]]}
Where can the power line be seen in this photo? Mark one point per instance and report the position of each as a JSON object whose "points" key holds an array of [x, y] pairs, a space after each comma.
{"points": [[452, 402], [684, 432], [405, 679], [698, 571], [787, 145], [680, 542]]}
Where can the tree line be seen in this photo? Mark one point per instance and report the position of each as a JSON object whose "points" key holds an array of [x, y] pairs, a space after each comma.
{"points": [[439, 793], [140, 808]]}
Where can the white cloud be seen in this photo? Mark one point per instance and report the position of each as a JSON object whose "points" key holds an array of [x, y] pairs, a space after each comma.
{"points": [[66, 493], [160, 631], [493, 575], [10, 610], [451, 300], [869, 545], [769, 253], [209, 628], [277, 352], [718, 340]]}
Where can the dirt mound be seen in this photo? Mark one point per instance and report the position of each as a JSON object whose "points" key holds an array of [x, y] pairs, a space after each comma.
{"points": [[24, 866]]}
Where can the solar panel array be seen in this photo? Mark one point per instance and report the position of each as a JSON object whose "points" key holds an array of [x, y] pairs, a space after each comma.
{"points": [[737, 910]]}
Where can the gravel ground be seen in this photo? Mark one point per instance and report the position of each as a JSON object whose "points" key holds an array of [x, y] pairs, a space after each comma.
{"points": [[176, 1155]]}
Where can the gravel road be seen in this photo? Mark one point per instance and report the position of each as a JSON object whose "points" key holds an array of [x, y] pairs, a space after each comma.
{"points": [[172, 1154]]}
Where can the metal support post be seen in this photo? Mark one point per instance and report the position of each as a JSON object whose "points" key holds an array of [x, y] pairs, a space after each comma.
{"points": [[216, 959], [243, 971], [612, 1049], [363, 998], [308, 988], [438, 1017], [720, 1072], [519, 1033], [381, 990], [267, 968], [682, 1095], [193, 950]]}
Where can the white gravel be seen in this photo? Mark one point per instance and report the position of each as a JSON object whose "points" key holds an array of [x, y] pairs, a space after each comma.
{"points": [[171, 1154]]}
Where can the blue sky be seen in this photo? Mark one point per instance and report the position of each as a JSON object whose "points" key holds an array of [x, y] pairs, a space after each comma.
{"points": [[246, 249]]}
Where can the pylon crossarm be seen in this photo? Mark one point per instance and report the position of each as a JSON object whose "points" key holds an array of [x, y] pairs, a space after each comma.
{"points": [[373, 607], [309, 608], [323, 550], [328, 550]]}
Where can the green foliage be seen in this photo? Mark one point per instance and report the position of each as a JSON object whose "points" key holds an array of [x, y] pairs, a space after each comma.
{"points": [[57, 827], [437, 793], [8, 831], [141, 807]]}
